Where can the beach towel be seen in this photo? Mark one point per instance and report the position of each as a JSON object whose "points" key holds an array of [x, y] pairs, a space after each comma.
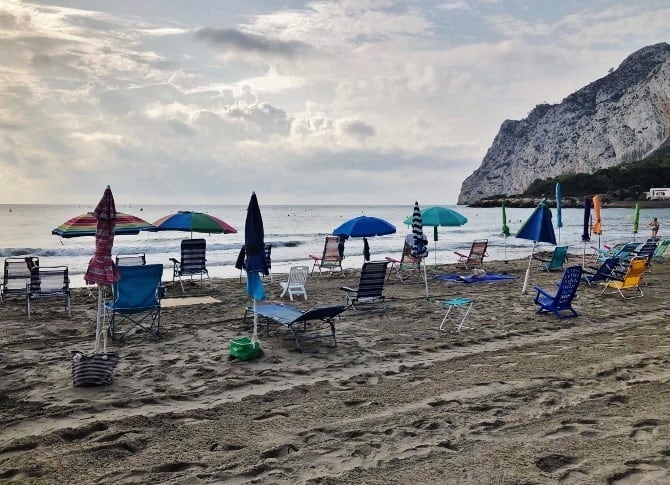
{"points": [[486, 278]]}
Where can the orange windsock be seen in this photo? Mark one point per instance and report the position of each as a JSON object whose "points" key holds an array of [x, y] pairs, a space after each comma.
{"points": [[597, 227]]}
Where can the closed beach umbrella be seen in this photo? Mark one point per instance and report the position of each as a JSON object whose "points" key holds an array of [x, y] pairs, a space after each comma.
{"points": [[189, 221], [559, 219], [420, 249], [636, 219], [254, 235], [86, 225], [436, 216], [586, 234], [597, 218], [505, 227], [537, 228], [101, 268]]}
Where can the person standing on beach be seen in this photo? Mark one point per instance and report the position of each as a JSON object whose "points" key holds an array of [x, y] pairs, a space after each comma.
{"points": [[655, 226]]}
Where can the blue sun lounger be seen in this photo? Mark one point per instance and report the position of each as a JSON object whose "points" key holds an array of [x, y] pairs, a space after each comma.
{"points": [[290, 317]]}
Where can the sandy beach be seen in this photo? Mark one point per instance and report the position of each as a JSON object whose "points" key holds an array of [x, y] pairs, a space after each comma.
{"points": [[518, 398]]}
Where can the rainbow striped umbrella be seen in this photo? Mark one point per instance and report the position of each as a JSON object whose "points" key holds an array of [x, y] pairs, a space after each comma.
{"points": [[86, 224]]}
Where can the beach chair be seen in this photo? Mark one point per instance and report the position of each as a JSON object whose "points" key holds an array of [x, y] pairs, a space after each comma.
{"points": [[556, 262], [561, 301], [408, 264], [331, 259], [601, 273], [370, 291], [476, 255], [137, 259], [48, 282], [630, 281], [660, 250], [193, 261], [136, 301], [625, 252], [292, 318], [16, 274], [295, 285]]}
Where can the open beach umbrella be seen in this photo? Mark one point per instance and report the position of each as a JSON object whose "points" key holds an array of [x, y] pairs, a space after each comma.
{"points": [[636, 219], [436, 216], [101, 268], [364, 226], [86, 225], [559, 219], [537, 228], [586, 234], [597, 218], [189, 221], [420, 250], [254, 235], [505, 227]]}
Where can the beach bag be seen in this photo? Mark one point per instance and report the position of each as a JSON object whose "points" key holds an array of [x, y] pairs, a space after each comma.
{"points": [[243, 348], [96, 369]]}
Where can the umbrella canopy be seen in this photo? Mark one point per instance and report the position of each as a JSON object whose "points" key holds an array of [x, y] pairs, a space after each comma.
{"points": [[636, 218], [538, 228], [440, 216], [597, 220], [559, 220], [586, 235], [86, 225], [193, 222], [505, 227], [364, 226], [101, 267]]}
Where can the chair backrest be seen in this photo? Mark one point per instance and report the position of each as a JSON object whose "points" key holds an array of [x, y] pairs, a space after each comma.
{"points": [[606, 269], [298, 274], [567, 288], [634, 272], [558, 258], [477, 251], [193, 258], [408, 259], [137, 289], [49, 281], [371, 284], [647, 250], [626, 250], [17, 273], [331, 253], [660, 250], [138, 259], [268, 255]]}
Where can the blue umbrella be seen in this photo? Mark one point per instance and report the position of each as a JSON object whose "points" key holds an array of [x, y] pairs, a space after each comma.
{"points": [[538, 228], [256, 262], [364, 226]]}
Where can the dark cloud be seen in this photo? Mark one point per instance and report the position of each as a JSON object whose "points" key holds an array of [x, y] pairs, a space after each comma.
{"points": [[359, 129], [238, 41]]}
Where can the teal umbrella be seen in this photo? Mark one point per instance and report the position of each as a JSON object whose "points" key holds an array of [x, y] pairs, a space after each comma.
{"points": [[439, 216]]}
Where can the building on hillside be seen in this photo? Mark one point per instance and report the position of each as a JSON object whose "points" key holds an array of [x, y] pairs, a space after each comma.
{"points": [[656, 193]]}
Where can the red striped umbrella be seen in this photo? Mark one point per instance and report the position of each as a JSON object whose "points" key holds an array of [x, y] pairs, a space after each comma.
{"points": [[101, 267], [86, 225]]}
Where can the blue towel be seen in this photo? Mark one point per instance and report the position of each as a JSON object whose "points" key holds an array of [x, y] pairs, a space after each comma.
{"points": [[487, 278]]}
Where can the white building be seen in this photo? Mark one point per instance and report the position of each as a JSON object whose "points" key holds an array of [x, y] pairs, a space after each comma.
{"points": [[658, 193]]}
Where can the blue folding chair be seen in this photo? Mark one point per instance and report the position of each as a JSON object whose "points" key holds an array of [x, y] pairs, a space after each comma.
{"points": [[136, 302], [562, 300], [602, 273]]}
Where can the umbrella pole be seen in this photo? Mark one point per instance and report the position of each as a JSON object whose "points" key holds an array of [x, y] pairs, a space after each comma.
{"points": [[530, 260], [506, 250], [425, 279], [254, 337]]}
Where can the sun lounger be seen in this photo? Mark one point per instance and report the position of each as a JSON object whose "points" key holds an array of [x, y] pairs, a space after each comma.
{"points": [[291, 318]]}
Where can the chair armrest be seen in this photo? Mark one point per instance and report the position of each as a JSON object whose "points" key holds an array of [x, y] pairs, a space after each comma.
{"points": [[460, 254], [391, 260], [349, 290], [543, 292], [315, 258], [175, 261]]}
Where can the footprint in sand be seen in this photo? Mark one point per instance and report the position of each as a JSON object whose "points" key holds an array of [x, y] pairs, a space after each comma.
{"points": [[644, 430], [584, 427]]}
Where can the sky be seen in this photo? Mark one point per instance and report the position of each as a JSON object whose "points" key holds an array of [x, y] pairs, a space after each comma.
{"points": [[359, 102]]}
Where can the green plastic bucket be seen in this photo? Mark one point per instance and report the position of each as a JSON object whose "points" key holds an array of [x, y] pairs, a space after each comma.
{"points": [[243, 348]]}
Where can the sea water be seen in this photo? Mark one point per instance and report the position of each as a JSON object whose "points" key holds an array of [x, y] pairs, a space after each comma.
{"points": [[298, 231]]}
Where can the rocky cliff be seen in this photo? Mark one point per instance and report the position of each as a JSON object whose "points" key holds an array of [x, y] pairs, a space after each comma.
{"points": [[619, 118]]}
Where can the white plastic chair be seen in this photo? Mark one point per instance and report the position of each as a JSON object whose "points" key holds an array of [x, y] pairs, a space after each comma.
{"points": [[297, 277]]}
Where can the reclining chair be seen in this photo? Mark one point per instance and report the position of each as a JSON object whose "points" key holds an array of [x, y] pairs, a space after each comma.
{"points": [[562, 300], [476, 255], [192, 262], [370, 291], [16, 274], [556, 262], [136, 301], [48, 282], [330, 259], [406, 265]]}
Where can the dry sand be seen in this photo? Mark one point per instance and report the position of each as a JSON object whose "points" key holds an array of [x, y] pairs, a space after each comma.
{"points": [[520, 398]]}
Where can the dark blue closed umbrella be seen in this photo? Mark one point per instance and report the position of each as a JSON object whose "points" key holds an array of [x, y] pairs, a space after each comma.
{"points": [[254, 235], [586, 235], [537, 228]]}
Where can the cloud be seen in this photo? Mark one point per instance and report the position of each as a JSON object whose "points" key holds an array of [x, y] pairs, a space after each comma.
{"points": [[240, 43]]}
